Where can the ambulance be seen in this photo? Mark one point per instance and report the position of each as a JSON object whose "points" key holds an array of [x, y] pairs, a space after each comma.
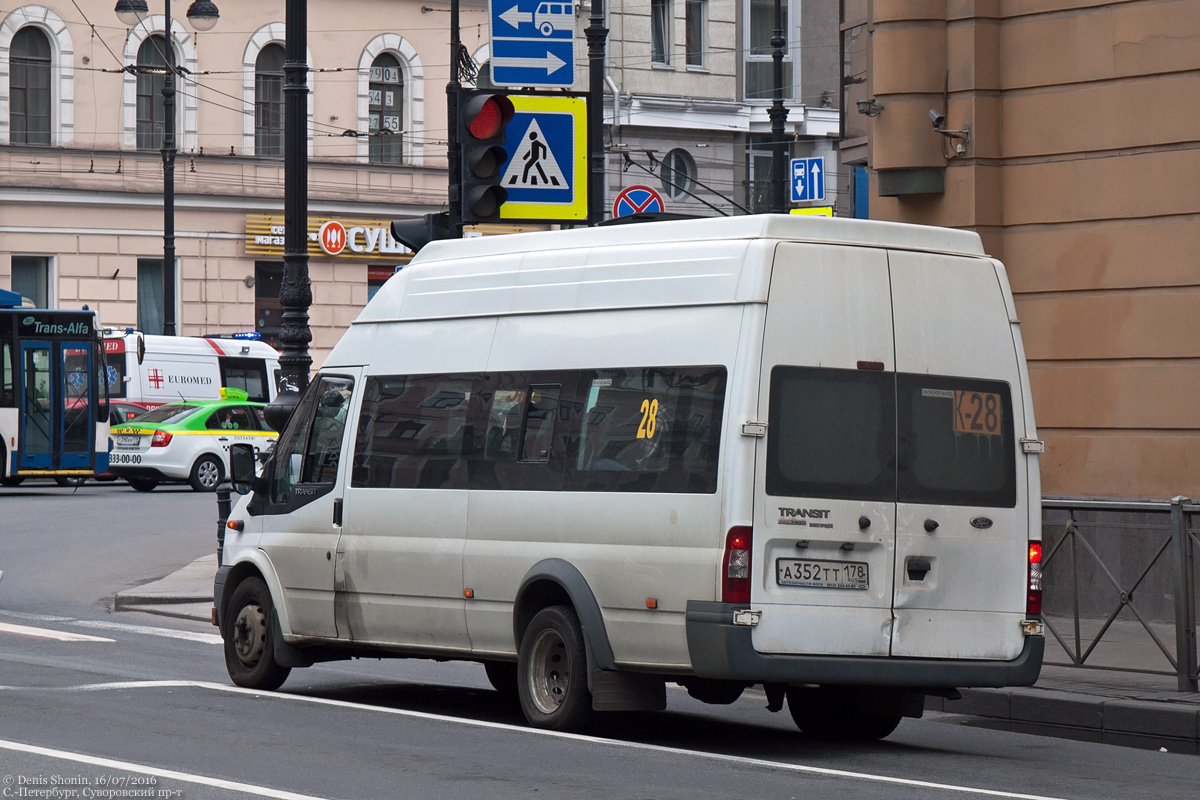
{"points": [[149, 369], [796, 453]]}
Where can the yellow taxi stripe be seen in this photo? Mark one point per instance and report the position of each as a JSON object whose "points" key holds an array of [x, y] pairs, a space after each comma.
{"points": [[208, 432]]}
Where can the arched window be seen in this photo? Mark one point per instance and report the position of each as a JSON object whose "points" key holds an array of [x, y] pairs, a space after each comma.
{"points": [[386, 123], [29, 87], [152, 55], [268, 101]]}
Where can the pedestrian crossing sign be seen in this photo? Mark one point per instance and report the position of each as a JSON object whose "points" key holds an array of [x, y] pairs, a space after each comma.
{"points": [[546, 171]]}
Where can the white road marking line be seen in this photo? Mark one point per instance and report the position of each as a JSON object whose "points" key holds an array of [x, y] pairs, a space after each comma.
{"points": [[166, 633], [45, 633], [143, 769], [738, 760]]}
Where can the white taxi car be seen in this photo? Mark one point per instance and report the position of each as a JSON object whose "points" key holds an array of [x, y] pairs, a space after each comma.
{"points": [[187, 441]]}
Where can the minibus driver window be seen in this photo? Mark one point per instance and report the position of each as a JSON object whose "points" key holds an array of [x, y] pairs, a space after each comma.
{"points": [[309, 451]]}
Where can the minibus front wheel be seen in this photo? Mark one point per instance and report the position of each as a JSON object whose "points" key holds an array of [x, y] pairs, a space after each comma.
{"points": [[552, 671], [250, 638]]}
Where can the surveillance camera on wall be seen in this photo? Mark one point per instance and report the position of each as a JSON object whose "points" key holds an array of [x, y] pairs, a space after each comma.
{"points": [[938, 118]]}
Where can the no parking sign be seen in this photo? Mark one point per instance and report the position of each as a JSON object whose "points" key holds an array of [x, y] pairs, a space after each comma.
{"points": [[637, 200]]}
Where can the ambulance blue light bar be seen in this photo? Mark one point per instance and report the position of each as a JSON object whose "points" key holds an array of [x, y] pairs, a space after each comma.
{"points": [[241, 335]]}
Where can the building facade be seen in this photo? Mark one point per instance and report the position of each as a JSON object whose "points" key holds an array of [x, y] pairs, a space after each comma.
{"points": [[1063, 132], [689, 84], [687, 87], [81, 174]]}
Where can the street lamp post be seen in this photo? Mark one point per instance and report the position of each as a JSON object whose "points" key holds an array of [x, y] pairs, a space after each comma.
{"points": [[778, 115], [203, 15]]}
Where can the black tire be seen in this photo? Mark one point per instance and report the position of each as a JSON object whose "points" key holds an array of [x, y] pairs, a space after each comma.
{"points": [[250, 638], [12, 480], [70, 480], [143, 484], [552, 672], [207, 474], [828, 713], [502, 675]]}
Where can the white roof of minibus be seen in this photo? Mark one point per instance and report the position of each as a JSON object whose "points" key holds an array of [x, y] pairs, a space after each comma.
{"points": [[792, 227], [676, 263]]}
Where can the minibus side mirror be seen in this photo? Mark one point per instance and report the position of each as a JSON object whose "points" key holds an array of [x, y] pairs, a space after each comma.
{"points": [[241, 467]]}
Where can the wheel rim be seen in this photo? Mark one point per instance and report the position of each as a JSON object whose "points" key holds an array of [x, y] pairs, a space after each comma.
{"points": [[250, 634], [208, 473], [550, 672]]}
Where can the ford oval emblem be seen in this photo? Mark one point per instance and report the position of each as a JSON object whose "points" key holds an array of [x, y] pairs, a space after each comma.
{"points": [[982, 523]]}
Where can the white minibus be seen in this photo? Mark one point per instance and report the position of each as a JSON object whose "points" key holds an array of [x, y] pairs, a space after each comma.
{"points": [[793, 452]]}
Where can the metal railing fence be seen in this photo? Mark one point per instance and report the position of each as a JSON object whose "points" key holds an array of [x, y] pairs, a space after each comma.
{"points": [[1173, 540]]}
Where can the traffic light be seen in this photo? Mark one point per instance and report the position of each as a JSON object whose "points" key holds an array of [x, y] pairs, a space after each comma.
{"points": [[482, 118], [416, 233]]}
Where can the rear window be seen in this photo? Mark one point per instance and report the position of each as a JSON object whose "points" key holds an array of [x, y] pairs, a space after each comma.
{"points": [[956, 436], [857, 435], [168, 414], [831, 433]]}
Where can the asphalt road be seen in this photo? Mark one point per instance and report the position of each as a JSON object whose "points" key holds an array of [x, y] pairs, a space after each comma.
{"points": [[104, 704]]}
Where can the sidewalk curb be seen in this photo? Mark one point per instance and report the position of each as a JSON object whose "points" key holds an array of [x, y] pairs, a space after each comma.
{"points": [[1120, 721], [192, 584]]}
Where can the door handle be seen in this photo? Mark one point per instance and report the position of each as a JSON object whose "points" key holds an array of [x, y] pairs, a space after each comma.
{"points": [[337, 512], [918, 568]]}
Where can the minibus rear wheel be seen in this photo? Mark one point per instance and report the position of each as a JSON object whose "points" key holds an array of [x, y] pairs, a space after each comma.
{"points": [[250, 638], [552, 671]]}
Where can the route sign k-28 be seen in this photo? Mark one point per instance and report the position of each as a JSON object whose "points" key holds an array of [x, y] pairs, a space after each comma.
{"points": [[533, 42]]}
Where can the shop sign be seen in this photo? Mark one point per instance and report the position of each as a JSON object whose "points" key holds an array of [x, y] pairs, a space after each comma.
{"points": [[339, 238]]}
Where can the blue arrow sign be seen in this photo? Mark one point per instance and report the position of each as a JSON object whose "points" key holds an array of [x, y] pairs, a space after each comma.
{"points": [[533, 43], [808, 179]]}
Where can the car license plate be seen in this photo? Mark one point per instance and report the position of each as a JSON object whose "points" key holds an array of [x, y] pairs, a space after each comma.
{"points": [[126, 439], [820, 574]]}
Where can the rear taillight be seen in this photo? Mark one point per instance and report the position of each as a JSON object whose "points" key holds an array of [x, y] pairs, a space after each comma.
{"points": [[161, 439], [735, 566], [1033, 599]]}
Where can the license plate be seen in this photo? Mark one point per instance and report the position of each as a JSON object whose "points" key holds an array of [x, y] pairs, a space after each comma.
{"points": [[128, 439], [820, 574]]}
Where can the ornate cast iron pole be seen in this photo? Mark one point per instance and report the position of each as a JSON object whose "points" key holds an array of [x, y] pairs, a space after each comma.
{"points": [[778, 114]]}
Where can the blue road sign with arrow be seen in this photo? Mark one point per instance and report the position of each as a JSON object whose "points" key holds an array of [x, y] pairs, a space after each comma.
{"points": [[808, 179], [533, 43]]}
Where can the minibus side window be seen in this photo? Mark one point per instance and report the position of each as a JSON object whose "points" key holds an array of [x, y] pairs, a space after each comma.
{"points": [[956, 441], [308, 450], [525, 419], [540, 412], [832, 434], [649, 429], [414, 432]]}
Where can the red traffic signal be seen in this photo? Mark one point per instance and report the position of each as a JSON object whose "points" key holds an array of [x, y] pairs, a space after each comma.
{"points": [[486, 114], [482, 119]]}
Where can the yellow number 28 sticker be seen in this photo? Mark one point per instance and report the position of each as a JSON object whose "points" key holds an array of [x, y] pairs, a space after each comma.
{"points": [[978, 412], [649, 419]]}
